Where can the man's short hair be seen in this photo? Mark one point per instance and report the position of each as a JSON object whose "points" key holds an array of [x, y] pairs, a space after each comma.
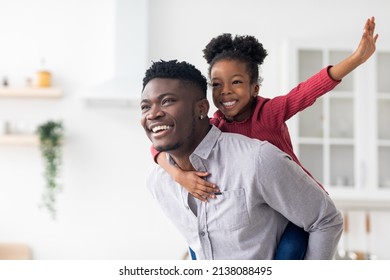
{"points": [[174, 69]]}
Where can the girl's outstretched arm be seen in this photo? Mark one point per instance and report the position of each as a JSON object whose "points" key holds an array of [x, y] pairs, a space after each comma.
{"points": [[366, 48]]}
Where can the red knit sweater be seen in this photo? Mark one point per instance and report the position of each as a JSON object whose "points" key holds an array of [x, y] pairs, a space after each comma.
{"points": [[268, 120]]}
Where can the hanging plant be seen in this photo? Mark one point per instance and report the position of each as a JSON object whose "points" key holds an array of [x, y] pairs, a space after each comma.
{"points": [[51, 135]]}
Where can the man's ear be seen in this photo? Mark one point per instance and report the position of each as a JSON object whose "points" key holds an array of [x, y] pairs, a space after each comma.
{"points": [[203, 107]]}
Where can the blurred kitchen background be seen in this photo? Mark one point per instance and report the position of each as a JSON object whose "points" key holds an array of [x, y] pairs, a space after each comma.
{"points": [[82, 62]]}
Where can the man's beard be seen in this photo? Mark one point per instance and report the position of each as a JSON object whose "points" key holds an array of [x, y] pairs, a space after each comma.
{"points": [[168, 148]]}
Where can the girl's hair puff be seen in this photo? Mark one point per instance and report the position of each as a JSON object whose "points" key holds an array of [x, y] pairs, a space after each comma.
{"points": [[246, 49]]}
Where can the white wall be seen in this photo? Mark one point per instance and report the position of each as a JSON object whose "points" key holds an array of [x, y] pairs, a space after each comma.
{"points": [[181, 29], [104, 211]]}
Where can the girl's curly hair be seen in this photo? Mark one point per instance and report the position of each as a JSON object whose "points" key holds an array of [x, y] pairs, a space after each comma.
{"points": [[245, 48]]}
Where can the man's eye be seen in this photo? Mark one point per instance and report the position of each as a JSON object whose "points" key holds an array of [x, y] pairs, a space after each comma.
{"points": [[215, 85], [237, 82], [168, 101], [145, 107]]}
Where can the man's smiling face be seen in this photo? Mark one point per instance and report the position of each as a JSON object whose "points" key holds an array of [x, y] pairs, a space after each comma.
{"points": [[168, 115]]}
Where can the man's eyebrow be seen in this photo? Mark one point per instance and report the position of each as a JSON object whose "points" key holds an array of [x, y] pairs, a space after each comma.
{"points": [[165, 94], [144, 100], [161, 96]]}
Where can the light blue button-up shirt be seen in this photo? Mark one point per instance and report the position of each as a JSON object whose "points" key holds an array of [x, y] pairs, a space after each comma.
{"points": [[261, 190]]}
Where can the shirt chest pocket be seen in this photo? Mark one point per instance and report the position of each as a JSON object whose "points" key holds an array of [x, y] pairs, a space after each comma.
{"points": [[228, 211]]}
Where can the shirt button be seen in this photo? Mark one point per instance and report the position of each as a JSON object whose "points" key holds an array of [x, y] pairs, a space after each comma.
{"points": [[202, 233], [188, 208]]}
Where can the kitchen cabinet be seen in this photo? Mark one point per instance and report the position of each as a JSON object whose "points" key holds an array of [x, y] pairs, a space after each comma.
{"points": [[12, 136], [343, 139]]}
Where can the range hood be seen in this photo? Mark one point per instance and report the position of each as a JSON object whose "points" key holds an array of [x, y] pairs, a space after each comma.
{"points": [[131, 48]]}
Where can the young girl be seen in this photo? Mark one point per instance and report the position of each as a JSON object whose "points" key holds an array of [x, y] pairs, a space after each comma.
{"points": [[234, 78]]}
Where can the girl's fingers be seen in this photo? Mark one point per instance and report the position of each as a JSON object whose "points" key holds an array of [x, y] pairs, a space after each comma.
{"points": [[202, 174], [206, 189], [201, 198]]}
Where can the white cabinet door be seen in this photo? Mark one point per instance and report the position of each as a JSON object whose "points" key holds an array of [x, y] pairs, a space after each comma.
{"points": [[343, 139]]}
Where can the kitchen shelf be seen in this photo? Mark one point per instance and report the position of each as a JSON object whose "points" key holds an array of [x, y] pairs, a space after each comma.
{"points": [[30, 92], [12, 137], [19, 140]]}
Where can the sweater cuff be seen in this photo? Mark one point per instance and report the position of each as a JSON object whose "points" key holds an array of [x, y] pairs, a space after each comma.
{"points": [[327, 73], [154, 153]]}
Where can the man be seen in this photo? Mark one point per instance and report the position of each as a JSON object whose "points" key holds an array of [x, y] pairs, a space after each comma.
{"points": [[260, 187]]}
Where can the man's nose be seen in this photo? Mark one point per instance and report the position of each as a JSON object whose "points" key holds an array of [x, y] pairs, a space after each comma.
{"points": [[154, 112]]}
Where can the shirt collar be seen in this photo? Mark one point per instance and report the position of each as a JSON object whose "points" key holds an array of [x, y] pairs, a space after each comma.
{"points": [[206, 146]]}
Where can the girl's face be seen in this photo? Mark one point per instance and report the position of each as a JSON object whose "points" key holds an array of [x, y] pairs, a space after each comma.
{"points": [[232, 91]]}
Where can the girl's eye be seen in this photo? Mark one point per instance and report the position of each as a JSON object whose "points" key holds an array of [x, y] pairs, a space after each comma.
{"points": [[215, 85], [236, 82]]}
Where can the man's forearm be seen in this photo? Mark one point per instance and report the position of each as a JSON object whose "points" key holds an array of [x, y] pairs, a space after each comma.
{"points": [[323, 242]]}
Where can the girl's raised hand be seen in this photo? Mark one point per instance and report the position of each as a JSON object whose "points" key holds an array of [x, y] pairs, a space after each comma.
{"points": [[367, 44]]}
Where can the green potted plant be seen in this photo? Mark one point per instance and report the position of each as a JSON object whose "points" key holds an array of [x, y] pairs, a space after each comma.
{"points": [[51, 134]]}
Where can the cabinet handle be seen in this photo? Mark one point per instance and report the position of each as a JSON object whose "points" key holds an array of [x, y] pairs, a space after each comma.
{"points": [[368, 223], [346, 222]]}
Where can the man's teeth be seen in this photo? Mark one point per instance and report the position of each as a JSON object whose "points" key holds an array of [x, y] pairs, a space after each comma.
{"points": [[161, 127], [227, 104]]}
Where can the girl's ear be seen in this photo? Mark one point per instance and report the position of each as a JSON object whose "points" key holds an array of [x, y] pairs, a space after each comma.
{"points": [[255, 90]]}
